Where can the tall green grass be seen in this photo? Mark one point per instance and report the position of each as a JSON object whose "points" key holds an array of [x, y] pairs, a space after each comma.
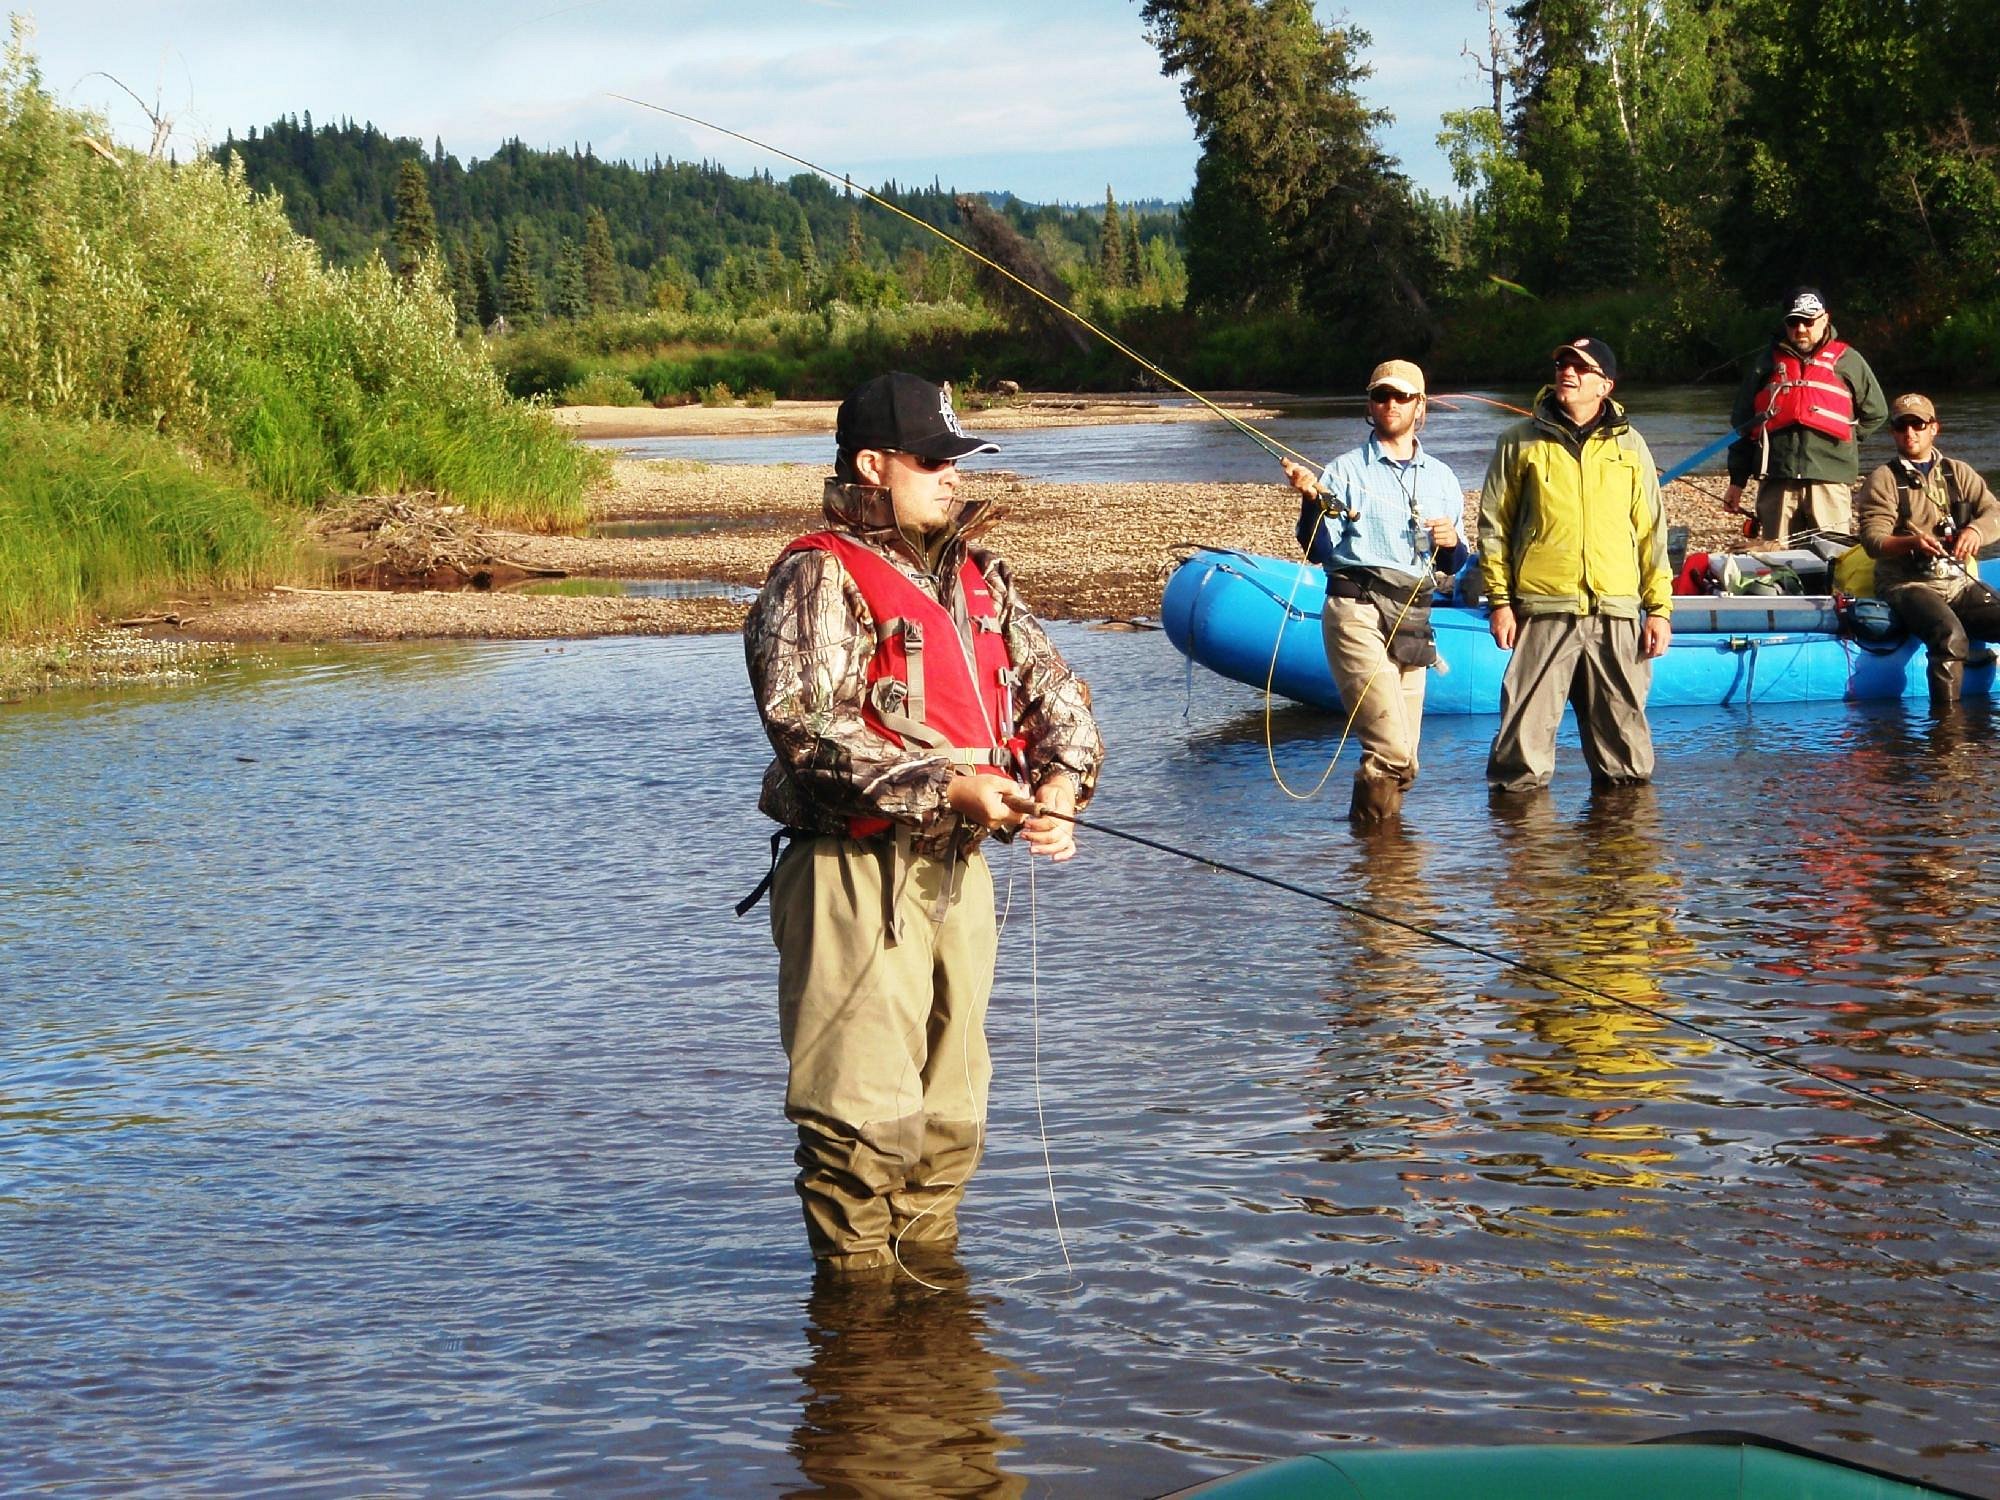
{"points": [[170, 300], [96, 520]]}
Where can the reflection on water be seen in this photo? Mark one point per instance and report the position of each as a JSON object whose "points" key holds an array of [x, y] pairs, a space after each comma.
{"points": [[900, 1399], [389, 1098], [657, 527], [638, 588]]}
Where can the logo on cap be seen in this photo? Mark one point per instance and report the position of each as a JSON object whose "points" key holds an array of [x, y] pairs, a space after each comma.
{"points": [[946, 414]]}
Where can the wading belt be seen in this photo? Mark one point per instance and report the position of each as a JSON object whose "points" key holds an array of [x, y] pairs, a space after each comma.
{"points": [[1403, 606], [778, 841], [897, 854]]}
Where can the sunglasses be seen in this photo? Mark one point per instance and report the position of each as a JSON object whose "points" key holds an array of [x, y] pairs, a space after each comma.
{"points": [[930, 465], [1578, 365], [1802, 322], [1382, 395], [1910, 424]]}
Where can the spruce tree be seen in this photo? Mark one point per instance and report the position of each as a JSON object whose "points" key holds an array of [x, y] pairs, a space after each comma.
{"points": [[569, 291], [775, 268], [416, 233], [464, 284], [520, 291], [1111, 245], [600, 263], [485, 288], [808, 259]]}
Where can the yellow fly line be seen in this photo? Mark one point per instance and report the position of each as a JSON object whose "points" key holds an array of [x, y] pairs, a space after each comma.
{"points": [[1264, 440]]}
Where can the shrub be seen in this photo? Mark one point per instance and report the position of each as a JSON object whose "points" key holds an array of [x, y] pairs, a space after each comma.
{"points": [[603, 390], [171, 300], [718, 394]]}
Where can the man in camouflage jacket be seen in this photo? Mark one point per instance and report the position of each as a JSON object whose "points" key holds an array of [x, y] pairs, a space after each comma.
{"points": [[882, 906]]}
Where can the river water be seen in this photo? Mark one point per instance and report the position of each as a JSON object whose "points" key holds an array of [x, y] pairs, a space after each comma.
{"points": [[1676, 421], [389, 1102]]}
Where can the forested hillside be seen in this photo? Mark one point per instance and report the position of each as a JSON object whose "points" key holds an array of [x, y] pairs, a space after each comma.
{"points": [[1658, 170], [584, 235]]}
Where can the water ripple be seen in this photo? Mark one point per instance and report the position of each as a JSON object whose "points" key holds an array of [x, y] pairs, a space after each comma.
{"points": [[391, 1104]]}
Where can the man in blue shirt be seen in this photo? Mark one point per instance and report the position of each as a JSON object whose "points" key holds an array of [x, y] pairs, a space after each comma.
{"points": [[1382, 520]]}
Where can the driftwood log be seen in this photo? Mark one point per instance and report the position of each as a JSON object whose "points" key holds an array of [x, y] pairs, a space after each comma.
{"points": [[404, 542]]}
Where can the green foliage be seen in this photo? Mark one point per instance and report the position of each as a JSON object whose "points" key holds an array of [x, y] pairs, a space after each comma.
{"points": [[1499, 335], [759, 396], [676, 235], [1291, 174], [602, 283], [718, 394], [603, 390], [520, 288], [170, 299], [1111, 245], [1870, 151], [95, 519], [569, 295], [1716, 152]]}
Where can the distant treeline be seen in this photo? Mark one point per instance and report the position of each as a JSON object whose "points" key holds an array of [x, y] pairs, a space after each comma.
{"points": [[1657, 171], [536, 234]]}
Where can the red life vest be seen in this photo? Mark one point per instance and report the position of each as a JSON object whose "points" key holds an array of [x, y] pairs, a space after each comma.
{"points": [[924, 688], [1805, 392]]}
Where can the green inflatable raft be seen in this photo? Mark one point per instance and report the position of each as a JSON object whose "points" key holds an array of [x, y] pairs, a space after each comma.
{"points": [[1703, 1467]]}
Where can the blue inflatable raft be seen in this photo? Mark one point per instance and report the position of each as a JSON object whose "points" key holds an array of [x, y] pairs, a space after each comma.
{"points": [[1256, 620]]}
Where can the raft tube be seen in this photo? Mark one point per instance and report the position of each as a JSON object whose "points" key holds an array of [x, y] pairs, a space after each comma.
{"points": [[1689, 1469], [1256, 620]]}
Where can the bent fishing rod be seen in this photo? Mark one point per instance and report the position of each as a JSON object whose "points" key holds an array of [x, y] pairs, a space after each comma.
{"points": [[1979, 1140], [1263, 440]]}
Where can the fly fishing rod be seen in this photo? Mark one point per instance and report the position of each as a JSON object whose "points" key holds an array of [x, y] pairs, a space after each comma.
{"points": [[1979, 1140], [1263, 440]]}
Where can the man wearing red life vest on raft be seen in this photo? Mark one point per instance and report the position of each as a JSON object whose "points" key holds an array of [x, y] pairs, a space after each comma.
{"points": [[916, 707], [1804, 407]]}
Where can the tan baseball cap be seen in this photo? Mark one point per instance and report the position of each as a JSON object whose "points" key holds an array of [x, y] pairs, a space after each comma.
{"points": [[1398, 375], [1913, 405]]}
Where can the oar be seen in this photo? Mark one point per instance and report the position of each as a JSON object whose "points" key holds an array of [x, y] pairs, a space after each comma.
{"points": [[1687, 465]]}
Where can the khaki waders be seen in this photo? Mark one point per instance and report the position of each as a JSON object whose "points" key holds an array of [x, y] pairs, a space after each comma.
{"points": [[1820, 506], [1593, 663], [882, 994], [1384, 701]]}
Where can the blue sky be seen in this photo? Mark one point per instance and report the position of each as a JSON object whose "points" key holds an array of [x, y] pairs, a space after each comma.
{"points": [[1051, 100]]}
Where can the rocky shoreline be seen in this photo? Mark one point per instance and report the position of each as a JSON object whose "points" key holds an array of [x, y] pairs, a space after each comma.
{"points": [[1080, 552]]}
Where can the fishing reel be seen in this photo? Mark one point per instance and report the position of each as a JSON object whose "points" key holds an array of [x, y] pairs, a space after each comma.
{"points": [[1947, 535]]}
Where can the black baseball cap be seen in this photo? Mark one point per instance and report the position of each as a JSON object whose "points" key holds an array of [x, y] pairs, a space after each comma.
{"points": [[903, 413], [1595, 354]]}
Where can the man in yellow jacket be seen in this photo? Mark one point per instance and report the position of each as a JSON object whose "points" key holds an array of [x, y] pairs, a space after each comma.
{"points": [[1573, 554]]}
